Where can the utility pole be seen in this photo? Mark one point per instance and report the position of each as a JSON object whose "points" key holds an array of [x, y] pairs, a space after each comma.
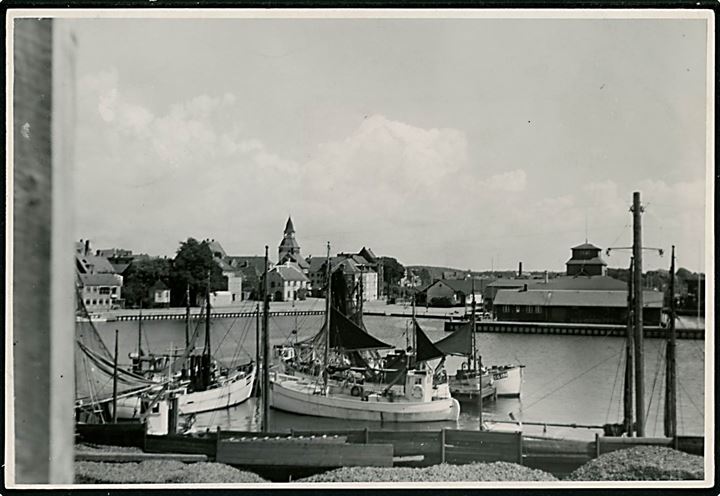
{"points": [[637, 313], [266, 350], [637, 210], [629, 350], [115, 381], [671, 371]]}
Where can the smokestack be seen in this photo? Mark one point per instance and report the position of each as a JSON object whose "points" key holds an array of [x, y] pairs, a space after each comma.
{"points": [[546, 277], [520, 269], [87, 247]]}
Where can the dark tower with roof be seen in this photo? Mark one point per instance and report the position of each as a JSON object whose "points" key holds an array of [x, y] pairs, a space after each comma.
{"points": [[288, 245], [586, 261]]}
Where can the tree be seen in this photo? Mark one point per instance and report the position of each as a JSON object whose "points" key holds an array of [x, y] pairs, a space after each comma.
{"points": [[140, 277], [191, 265], [425, 277], [393, 271]]}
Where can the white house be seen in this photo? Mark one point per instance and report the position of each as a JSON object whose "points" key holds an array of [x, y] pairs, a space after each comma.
{"points": [[287, 282], [101, 292]]}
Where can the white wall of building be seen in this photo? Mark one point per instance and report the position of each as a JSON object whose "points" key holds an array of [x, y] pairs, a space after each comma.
{"points": [[234, 285]]}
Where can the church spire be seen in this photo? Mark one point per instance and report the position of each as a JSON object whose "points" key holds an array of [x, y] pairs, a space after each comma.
{"points": [[289, 228]]}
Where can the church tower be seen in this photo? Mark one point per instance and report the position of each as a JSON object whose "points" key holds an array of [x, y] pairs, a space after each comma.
{"points": [[288, 245]]}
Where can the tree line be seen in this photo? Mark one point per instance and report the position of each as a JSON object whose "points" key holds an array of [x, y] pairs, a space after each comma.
{"points": [[190, 267]]}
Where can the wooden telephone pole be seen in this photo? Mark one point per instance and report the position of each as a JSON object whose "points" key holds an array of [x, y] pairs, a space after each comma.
{"points": [[635, 308], [637, 210]]}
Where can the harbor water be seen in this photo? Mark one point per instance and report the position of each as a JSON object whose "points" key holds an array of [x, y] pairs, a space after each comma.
{"points": [[567, 379]]}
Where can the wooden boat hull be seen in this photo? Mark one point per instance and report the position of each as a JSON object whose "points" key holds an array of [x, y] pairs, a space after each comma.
{"points": [[232, 392], [508, 380], [298, 397]]}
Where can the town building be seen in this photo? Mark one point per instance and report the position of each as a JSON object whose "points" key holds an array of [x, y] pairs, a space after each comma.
{"points": [[288, 283], [574, 306], [586, 261], [160, 294], [584, 295], [355, 266], [455, 292], [289, 246], [252, 269], [100, 291], [231, 271]]}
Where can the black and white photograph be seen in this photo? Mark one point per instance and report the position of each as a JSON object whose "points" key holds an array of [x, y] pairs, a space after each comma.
{"points": [[354, 248]]}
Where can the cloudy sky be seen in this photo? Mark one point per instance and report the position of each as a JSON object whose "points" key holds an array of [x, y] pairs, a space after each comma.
{"points": [[469, 143]]}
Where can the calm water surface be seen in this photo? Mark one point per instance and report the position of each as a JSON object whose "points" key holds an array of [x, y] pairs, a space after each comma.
{"points": [[567, 378]]}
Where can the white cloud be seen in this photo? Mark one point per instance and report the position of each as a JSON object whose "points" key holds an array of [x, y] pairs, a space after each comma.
{"points": [[409, 191]]}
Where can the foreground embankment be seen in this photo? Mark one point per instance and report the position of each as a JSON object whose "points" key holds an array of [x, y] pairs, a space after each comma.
{"points": [[644, 463]]}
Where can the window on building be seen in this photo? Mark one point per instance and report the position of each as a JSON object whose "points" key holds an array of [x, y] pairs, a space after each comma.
{"points": [[272, 284], [528, 309], [87, 302], [114, 291], [104, 290], [94, 302], [538, 309]]}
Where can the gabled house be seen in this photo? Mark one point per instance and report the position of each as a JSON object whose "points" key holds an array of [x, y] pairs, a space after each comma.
{"points": [[100, 292], [160, 294], [287, 283], [454, 292]]}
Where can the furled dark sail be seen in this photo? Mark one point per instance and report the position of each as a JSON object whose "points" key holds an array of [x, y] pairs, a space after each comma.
{"points": [[348, 336], [426, 350], [457, 343]]}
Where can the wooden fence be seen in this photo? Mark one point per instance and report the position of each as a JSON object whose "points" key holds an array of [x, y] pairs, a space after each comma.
{"points": [[327, 449]]}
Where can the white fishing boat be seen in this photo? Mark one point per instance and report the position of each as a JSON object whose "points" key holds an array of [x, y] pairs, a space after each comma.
{"points": [[508, 379], [424, 396], [422, 402], [190, 383]]}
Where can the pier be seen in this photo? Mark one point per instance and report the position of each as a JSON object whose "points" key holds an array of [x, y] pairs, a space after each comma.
{"points": [[600, 330], [214, 315]]}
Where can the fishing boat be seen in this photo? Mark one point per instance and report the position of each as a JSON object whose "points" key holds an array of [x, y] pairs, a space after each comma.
{"points": [[472, 379], [424, 396], [100, 383], [195, 380]]}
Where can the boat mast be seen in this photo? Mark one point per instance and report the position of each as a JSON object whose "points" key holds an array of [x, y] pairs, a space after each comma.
{"points": [[671, 379], [206, 348], [478, 372], [257, 347], [115, 381], [414, 336], [629, 350], [326, 355], [137, 364], [187, 316], [265, 392], [472, 323]]}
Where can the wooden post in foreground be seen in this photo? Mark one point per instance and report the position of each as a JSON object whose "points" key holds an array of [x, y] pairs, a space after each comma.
{"points": [[40, 319]]}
